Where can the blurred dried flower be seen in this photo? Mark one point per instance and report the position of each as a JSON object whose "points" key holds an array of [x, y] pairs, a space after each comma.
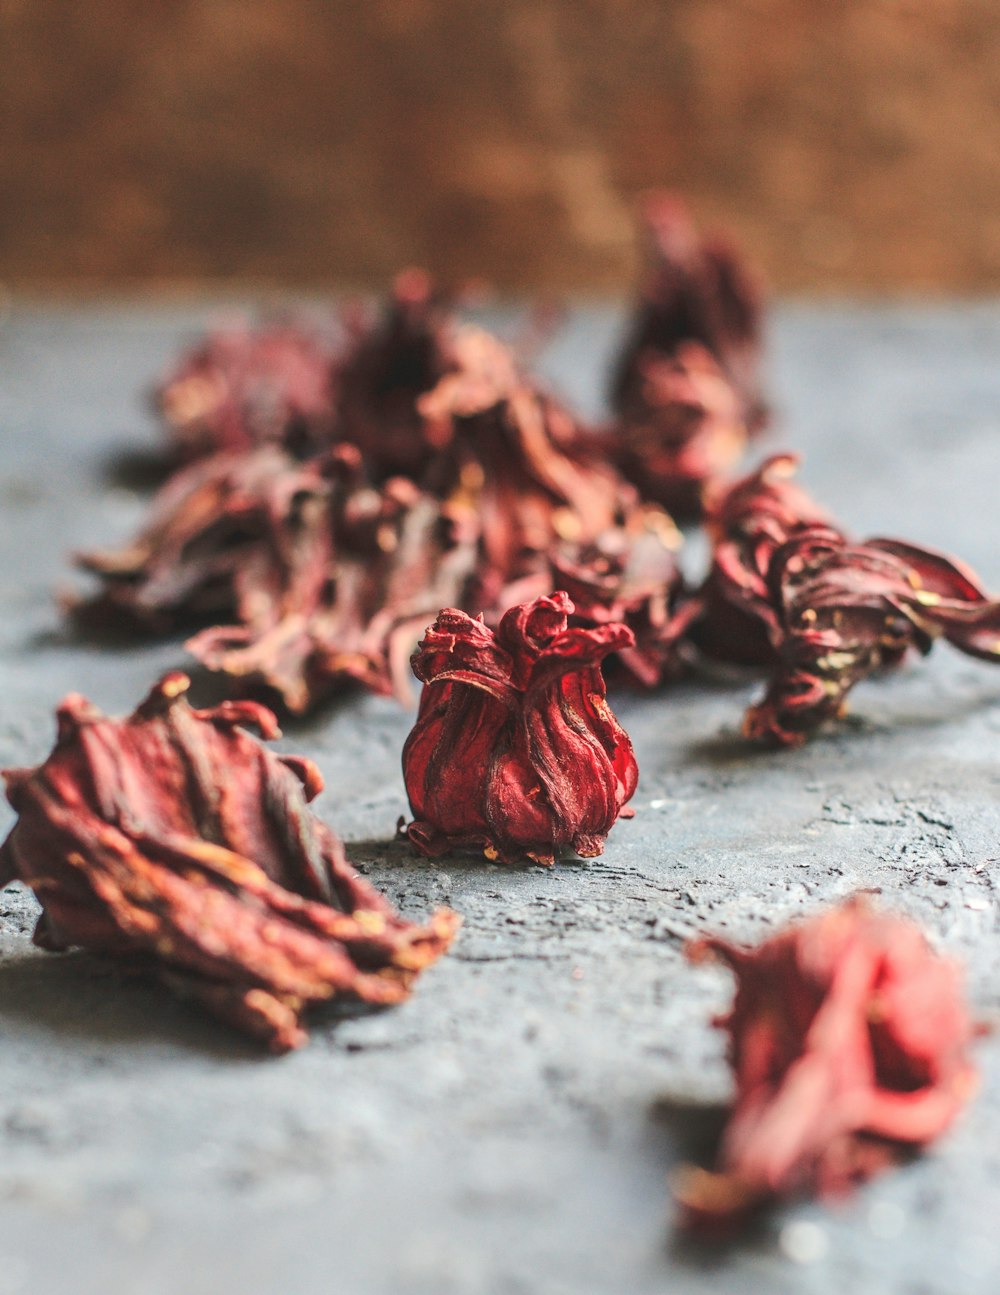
{"points": [[849, 1040]]}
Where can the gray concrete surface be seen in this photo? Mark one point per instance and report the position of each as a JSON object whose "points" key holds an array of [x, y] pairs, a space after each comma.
{"points": [[508, 1131]]}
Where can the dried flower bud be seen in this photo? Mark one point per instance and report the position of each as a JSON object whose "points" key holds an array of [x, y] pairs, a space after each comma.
{"points": [[240, 389], [630, 574], [846, 610], [747, 522], [849, 1042], [174, 841], [683, 427], [515, 749], [695, 290]]}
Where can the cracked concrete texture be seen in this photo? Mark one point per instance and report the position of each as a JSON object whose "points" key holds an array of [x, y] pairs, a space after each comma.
{"points": [[509, 1130]]}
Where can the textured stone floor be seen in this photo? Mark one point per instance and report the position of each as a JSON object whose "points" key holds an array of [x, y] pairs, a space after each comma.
{"points": [[509, 1131]]}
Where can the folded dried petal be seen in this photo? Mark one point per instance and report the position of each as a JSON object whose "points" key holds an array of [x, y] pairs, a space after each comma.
{"points": [[849, 1041], [515, 749], [177, 842], [630, 574], [398, 554], [522, 462], [747, 522], [694, 290], [846, 610], [243, 388], [221, 536], [683, 428]]}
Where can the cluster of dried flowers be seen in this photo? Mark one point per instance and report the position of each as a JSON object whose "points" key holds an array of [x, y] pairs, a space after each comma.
{"points": [[330, 496]]}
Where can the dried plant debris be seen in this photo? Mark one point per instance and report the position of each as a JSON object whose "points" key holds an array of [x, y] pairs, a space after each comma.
{"points": [[515, 750], [694, 289], [849, 1041], [246, 387], [388, 366], [220, 535], [630, 574], [520, 459], [173, 841], [747, 521], [684, 427], [846, 610], [381, 564]]}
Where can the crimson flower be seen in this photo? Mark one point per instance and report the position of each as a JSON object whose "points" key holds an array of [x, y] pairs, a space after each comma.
{"points": [[243, 388], [845, 610], [747, 522], [849, 1041], [515, 749], [694, 290], [682, 429], [175, 842]]}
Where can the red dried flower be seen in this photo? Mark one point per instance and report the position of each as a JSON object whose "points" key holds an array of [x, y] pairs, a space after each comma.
{"points": [[174, 841], [695, 290], [683, 428], [630, 574], [520, 459], [845, 610], [243, 388], [849, 1042], [381, 563], [515, 749], [220, 537], [386, 371], [747, 522]]}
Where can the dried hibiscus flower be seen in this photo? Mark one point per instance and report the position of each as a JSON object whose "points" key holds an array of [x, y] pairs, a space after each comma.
{"points": [[175, 842], [849, 1040], [845, 610], [695, 290], [221, 531], [747, 522], [683, 427], [515, 749], [520, 459], [381, 563], [242, 388], [630, 574], [386, 370]]}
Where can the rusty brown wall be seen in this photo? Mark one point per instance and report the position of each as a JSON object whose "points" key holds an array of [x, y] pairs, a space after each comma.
{"points": [[855, 144]]}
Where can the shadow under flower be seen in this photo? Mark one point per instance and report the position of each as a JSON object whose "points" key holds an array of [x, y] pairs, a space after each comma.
{"points": [[86, 999]]}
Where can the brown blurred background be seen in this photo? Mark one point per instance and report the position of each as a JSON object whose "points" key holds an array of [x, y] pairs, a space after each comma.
{"points": [[852, 143]]}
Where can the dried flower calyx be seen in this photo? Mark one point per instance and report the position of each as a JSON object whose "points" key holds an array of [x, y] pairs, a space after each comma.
{"points": [[849, 1041], [175, 842], [683, 428], [747, 522], [372, 568], [242, 388], [515, 750], [695, 290], [846, 610]]}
